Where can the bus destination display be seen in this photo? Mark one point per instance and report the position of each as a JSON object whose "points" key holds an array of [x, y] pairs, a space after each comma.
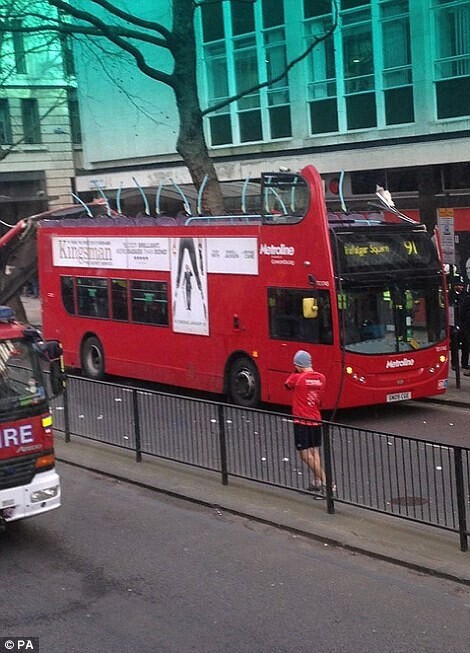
{"points": [[401, 251]]}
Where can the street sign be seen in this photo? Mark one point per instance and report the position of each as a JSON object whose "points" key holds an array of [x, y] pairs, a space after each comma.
{"points": [[445, 224]]}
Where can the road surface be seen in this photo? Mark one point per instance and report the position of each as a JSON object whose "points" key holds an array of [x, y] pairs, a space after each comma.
{"points": [[121, 569]]}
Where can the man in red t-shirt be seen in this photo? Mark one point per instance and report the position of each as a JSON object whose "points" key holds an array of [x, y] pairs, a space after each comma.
{"points": [[308, 387]]}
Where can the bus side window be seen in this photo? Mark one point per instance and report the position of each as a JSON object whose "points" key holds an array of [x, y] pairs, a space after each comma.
{"points": [[119, 299], [92, 295], [149, 302], [67, 293], [287, 319]]}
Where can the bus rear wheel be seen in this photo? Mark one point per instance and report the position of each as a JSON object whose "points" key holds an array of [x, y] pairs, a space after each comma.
{"points": [[244, 383], [92, 358]]}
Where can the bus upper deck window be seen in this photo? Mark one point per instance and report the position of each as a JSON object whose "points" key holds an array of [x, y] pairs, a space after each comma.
{"points": [[285, 197]]}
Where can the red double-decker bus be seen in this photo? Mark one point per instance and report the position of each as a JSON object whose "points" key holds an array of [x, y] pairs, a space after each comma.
{"points": [[222, 304]]}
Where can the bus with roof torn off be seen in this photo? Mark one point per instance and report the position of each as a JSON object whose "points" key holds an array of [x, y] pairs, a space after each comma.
{"points": [[222, 303], [29, 483]]}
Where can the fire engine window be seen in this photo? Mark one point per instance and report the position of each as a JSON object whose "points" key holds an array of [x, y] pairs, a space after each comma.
{"points": [[66, 289], [149, 302], [119, 299], [287, 321], [92, 296], [21, 381]]}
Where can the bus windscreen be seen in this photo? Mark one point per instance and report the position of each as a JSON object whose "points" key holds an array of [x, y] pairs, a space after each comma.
{"points": [[392, 316]]}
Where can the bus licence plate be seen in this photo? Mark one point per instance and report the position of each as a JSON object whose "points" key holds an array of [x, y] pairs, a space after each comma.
{"points": [[398, 396]]}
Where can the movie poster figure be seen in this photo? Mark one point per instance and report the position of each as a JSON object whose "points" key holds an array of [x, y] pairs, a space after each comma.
{"points": [[187, 286], [188, 265]]}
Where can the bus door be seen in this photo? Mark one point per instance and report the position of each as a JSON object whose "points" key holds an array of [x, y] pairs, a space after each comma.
{"points": [[298, 319]]}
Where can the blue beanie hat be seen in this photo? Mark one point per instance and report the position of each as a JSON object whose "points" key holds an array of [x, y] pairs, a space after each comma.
{"points": [[302, 359]]}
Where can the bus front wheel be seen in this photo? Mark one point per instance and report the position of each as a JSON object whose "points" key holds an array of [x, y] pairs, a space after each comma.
{"points": [[244, 383], [92, 357]]}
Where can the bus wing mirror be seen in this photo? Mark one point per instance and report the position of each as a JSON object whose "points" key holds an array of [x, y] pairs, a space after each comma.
{"points": [[51, 351], [54, 353], [309, 308], [57, 377]]}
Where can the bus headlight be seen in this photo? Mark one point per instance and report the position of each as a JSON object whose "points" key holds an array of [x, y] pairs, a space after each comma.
{"points": [[43, 495], [354, 375]]}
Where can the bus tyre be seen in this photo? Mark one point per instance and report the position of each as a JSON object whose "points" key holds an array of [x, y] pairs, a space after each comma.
{"points": [[244, 383], [92, 358]]}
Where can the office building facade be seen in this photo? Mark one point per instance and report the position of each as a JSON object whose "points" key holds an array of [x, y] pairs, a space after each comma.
{"points": [[385, 99]]}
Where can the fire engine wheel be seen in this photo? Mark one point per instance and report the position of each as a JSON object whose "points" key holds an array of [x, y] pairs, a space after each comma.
{"points": [[244, 383], [92, 357]]}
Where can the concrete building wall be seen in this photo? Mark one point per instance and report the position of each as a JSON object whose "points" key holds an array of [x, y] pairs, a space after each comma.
{"points": [[126, 116], [54, 154], [38, 151]]}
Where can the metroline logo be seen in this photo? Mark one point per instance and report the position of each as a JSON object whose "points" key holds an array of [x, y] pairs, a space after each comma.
{"points": [[405, 362], [276, 250]]}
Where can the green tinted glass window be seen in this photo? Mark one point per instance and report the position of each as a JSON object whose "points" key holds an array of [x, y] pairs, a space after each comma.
{"points": [[67, 294], [119, 299], [149, 302], [287, 321], [92, 297]]}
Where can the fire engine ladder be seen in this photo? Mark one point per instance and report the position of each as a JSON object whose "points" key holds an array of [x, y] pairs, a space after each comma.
{"points": [[18, 258]]}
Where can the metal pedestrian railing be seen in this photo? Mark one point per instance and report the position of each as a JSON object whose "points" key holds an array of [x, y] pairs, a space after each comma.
{"points": [[403, 477]]}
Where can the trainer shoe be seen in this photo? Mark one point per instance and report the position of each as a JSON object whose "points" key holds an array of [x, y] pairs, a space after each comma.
{"points": [[315, 487]]}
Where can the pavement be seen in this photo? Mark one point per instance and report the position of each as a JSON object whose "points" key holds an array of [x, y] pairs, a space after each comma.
{"points": [[422, 548], [32, 307]]}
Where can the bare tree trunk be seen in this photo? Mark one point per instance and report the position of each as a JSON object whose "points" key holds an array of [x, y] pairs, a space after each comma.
{"points": [[191, 143]]}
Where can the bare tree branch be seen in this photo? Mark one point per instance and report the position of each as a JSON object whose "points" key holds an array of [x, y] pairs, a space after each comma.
{"points": [[72, 28], [127, 32], [7, 71], [136, 101], [5, 150], [277, 78], [164, 41], [112, 34], [201, 3], [133, 20]]}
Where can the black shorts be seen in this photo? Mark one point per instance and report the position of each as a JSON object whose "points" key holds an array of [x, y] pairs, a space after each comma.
{"points": [[307, 436]]}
